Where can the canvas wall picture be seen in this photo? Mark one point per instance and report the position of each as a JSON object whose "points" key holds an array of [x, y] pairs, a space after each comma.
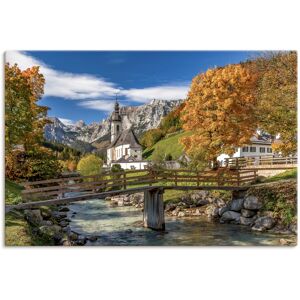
{"points": [[150, 148]]}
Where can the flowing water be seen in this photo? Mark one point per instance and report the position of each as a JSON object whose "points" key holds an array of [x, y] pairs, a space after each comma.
{"points": [[122, 226]]}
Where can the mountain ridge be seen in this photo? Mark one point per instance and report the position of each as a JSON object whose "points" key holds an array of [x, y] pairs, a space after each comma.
{"points": [[89, 137]]}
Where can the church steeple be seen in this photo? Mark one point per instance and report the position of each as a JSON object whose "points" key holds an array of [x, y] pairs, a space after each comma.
{"points": [[116, 122]]}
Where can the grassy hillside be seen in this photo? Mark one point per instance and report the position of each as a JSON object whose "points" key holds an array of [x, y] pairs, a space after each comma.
{"points": [[168, 145]]}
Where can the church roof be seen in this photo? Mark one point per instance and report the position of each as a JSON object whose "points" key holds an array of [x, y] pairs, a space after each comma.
{"points": [[126, 137]]}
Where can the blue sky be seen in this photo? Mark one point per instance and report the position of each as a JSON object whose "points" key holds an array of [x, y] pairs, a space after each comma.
{"points": [[82, 85]]}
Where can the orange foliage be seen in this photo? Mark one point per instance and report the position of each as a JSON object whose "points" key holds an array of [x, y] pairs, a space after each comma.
{"points": [[220, 111]]}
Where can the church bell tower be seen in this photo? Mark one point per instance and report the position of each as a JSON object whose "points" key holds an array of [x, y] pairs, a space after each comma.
{"points": [[116, 122]]}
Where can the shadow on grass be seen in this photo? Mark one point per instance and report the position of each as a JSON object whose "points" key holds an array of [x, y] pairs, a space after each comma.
{"points": [[147, 153]]}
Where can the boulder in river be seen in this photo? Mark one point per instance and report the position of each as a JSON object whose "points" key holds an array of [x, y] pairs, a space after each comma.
{"points": [[236, 204], [263, 223], [223, 209], [252, 203], [33, 216], [53, 231], [247, 221], [247, 213], [230, 217]]}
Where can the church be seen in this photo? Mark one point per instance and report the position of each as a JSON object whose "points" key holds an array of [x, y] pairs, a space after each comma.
{"points": [[125, 148]]}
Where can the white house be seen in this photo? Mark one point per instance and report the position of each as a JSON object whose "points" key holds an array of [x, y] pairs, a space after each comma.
{"points": [[258, 146], [125, 148]]}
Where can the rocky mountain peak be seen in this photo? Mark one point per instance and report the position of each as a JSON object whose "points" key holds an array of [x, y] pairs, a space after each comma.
{"points": [[140, 118], [79, 124]]}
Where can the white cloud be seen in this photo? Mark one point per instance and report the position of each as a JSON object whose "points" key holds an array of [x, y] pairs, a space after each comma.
{"points": [[163, 92], [103, 105], [88, 88], [63, 84], [67, 121]]}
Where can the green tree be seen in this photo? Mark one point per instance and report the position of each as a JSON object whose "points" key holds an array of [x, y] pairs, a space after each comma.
{"points": [[90, 165], [151, 137]]}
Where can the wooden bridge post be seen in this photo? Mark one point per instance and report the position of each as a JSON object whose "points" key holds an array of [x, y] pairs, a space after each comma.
{"points": [[154, 217], [124, 181]]}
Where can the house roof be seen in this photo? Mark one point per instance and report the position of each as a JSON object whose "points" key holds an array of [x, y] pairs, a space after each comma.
{"points": [[127, 137], [258, 139]]}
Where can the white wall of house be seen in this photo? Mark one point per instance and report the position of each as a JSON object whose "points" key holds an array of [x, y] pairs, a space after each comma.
{"points": [[250, 151], [133, 165]]}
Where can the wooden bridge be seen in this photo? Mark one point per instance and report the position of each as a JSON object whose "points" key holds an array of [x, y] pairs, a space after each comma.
{"points": [[152, 182]]}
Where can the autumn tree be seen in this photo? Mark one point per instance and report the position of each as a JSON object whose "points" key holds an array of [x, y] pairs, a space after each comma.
{"points": [[36, 82], [17, 107], [219, 111], [277, 98], [24, 124], [24, 118]]}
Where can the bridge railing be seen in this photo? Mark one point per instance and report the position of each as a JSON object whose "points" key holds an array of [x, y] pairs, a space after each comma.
{"points": [[57, 188], [261, 161]]}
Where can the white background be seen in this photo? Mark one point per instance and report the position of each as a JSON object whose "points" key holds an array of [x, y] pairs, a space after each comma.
{"points": [[148, 273]]}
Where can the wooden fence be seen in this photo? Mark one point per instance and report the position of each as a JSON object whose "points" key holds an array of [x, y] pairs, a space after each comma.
{"points": [[267, 161], [57, 188]]}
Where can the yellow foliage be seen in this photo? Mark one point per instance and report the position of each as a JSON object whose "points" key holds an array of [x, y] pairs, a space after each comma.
{"points": [[277, 98], [220, 111]]}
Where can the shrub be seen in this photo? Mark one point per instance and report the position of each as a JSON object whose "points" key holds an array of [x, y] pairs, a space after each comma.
{"points": [[116, 169], [90, 165], [169, 157]]}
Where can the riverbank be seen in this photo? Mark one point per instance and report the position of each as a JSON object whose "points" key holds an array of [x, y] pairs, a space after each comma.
{"points": [[268, 207]]}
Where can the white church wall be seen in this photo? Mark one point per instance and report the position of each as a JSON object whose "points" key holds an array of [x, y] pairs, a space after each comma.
{"points": [[121, 151], [133, 165], [136, 153]]}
